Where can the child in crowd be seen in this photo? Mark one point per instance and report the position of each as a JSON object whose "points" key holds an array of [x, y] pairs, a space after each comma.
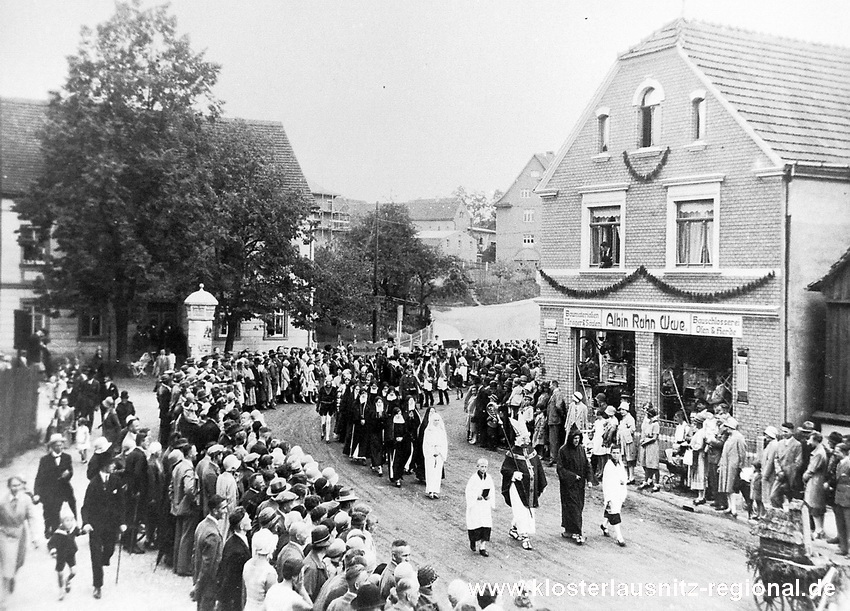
{"points": [[82, 438], [538, 439], [755, 507], [63, 548]]}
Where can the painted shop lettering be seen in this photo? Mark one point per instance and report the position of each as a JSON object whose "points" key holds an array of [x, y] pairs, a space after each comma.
{"points": [[669, 323]]}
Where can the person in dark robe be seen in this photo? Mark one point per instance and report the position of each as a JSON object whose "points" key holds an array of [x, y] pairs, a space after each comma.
{"points": [[523, 481], [573, 474], [399, 445], [418, 462]]}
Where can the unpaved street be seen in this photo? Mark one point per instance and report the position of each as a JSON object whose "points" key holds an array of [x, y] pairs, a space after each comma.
{"points": [[665, 543]]}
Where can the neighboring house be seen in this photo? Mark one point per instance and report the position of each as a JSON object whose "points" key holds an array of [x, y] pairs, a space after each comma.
{"points": [[163, 323], [705, 186], [331, 216], [456, 243], [484, 238], [519, 215], [439, 214]]}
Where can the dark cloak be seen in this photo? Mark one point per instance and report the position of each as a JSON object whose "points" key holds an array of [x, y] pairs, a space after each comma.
{"points": [[533, 477], [573, 473]]}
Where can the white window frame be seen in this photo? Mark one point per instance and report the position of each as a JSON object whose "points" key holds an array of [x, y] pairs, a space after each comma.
{"points": [[637, 102], [283, 317], [28, 233], [39, 318], [85, 325], [681, 193], [528, 239], [528, 215], [603, 199]]}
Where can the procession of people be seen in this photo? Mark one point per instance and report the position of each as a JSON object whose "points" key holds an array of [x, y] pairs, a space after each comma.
{"points": [[227, 501]]}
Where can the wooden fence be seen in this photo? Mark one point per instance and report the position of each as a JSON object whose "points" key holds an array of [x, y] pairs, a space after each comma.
{"points": [[18, 410], [421, 337]]}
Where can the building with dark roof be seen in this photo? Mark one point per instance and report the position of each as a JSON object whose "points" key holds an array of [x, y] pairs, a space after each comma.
{"points": [[519, 214], [22, 251], [703, 188]]}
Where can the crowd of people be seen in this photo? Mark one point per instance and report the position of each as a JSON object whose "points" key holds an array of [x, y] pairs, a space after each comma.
{"points": [[257, 523]]}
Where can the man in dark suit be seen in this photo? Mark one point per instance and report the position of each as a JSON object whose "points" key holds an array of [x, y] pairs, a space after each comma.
{"points": [[207, 554], [53, 483], [236, 553], [103, 518], [136, 480]]}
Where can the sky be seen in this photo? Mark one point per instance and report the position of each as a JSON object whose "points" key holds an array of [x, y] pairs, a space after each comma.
{"points": [[390, 101]]}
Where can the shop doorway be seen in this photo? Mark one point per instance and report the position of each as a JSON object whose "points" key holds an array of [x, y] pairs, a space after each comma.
{"points": [[696, 372], [605, 364]]}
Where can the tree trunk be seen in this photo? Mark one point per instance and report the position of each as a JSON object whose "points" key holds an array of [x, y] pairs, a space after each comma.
{"points": [[122, 323], [233, 321]]}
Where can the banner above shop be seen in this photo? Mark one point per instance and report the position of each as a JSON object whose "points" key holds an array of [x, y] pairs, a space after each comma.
{"points": [[682, 323]]}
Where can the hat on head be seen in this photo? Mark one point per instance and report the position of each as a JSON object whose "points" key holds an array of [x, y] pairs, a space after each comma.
{"points": [[731, 423], [215, 448], [577, 396], [101, 445], [610, 410], [771, 432], [346, 494], [807, 427], [285, 496], [329, 506], [231, 462], [55, 438], [368, 598], [131, 418], [336, 549], [320, 537], [251, 457], [601, 397], [426, 575], [267, 516], [330, 474], [264, 541], [276, 486]]}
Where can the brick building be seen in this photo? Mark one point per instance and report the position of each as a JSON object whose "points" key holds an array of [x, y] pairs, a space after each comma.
{"points": [[705, 186], [22, 257], [519, 213]]}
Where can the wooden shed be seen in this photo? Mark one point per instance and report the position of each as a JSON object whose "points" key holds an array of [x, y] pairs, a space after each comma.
{"points": [[835, 287]]}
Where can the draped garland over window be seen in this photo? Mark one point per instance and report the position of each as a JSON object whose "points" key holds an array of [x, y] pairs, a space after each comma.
{"points": [[648, 176], [642, 272]]}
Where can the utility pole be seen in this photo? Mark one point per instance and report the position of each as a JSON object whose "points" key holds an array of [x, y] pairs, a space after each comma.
{"points": [[376, 303]]}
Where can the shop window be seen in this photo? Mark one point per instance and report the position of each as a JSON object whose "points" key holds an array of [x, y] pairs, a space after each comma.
{"points": [[605, 237], [34, 245], [696, 372], [528, 216], [277, 325], [605, 362], [695, 233], [91, 326]]}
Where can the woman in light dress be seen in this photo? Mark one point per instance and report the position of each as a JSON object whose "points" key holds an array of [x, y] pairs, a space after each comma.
{"points": [[258, 574], [16, 528]]}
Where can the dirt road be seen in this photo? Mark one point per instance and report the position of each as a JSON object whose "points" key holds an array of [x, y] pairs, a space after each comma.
{"points": [[665, 544], [504, 321]]}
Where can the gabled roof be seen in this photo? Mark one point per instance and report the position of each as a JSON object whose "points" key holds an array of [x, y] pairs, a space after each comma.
{"points": [[20, 149], [834, 270], [794, 94], [438, 209], [317, 189], [543, 158]]}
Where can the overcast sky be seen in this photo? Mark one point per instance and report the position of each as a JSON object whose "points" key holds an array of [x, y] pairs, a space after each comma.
{"points": [[396, 100]]}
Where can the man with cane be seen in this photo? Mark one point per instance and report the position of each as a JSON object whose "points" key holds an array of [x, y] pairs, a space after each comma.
{"points": [[523, 481], [103, 514]]}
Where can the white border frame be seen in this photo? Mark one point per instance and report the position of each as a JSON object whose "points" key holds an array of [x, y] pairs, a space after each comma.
{"points": [[598, 200], [700, 189]]}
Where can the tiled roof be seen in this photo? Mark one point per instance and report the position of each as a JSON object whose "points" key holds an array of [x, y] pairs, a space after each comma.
{"points": [[836, 267], [283, 153], [317, 189], [543, 158], [21, 161], [20, 149], [439, 209], [794, 94]]}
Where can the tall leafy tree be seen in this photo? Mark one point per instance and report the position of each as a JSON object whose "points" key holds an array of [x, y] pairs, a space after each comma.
{"points": [[343, 285], [481, 206], [249, 242], [131, 111]]}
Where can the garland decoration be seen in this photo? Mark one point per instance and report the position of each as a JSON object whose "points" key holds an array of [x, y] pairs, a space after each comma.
{"points": [[652, 173], [642, 272]]}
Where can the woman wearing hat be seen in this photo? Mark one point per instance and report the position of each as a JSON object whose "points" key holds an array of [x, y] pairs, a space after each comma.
{"points": [[696, 470], [16, 527], [732, 460], [258, 574], [649, 452]]}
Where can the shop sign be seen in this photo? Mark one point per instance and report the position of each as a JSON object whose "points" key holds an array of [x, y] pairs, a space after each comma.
{"points": [[551, 337], [682, 323]]}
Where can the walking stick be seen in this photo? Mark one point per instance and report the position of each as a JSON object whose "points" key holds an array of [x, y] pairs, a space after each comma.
{"points": [[118, 565]]}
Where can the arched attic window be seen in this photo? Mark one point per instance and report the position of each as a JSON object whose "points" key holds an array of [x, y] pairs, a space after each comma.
{"points": [[648, 99]]}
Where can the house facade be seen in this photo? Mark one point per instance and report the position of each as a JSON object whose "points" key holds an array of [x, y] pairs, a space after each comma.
{"points": [[519, 215], [22, 255], [705, 186], [331, 215], [439, 214]]}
